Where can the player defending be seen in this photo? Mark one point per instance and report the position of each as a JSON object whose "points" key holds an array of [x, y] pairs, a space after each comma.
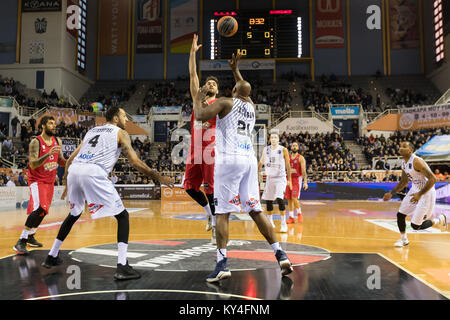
{"points": [[276, 161], [236, 170], [298, 172], [420, 200], [200, 165], [87, 173], [44, 157]]}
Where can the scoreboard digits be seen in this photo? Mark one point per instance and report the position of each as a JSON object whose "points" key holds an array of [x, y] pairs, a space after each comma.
{"points": [[260, 35]]}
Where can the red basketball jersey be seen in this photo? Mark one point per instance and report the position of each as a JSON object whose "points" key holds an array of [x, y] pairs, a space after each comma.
{"points": [[45, 173], [296, 167], [198, 129]]}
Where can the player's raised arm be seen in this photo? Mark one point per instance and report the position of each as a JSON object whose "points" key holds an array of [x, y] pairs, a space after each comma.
{"points": [[138, 164], [400, 186], [234, 65], [34, 159], [194, 82], [220, 107]]}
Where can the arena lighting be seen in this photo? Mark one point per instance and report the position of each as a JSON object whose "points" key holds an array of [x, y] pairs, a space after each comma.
{"points": [[212, 39], [299, 32], [221, 13], [280, 11]]}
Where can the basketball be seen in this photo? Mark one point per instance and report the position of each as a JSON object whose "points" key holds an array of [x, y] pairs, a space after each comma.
{"points": [[227, 26]]}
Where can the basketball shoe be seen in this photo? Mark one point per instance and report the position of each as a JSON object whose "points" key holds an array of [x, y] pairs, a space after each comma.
{"points": [[290, 220], [283, 261], [126, 272], [52, 262], [21, 247], [220, 272], [401, 243], [300, 218], [32, 242]]}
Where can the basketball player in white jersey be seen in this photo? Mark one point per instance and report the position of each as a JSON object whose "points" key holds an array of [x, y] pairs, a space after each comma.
{"points": [[277, 164], [236, 168], [87, 173], [420, 200]]}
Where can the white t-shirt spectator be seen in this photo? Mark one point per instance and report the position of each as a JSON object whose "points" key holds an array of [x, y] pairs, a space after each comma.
{"points": [[10, 184]]}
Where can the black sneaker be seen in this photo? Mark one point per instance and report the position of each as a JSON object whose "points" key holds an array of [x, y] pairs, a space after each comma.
{"points": [[52, 262], [284, 262], [126, 272], [21, 247], [32, 242]]}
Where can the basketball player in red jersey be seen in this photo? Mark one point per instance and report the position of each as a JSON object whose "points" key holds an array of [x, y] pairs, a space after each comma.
{"points": [[200, 162], [298, 173], [44, 158]]}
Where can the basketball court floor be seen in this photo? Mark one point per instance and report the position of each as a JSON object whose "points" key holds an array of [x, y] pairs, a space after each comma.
{"points": [[341, 250]]}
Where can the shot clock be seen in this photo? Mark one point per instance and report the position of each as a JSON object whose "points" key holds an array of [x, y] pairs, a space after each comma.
{"points": [[265, 34]]}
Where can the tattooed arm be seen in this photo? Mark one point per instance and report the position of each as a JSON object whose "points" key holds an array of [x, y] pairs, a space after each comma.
{"points": [[138, 164], [34, 159]]}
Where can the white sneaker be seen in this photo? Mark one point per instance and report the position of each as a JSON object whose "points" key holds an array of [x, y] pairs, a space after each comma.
{"points": [[209, 224], [213, 235], [283, 228], [401, 243], [443, 221]]}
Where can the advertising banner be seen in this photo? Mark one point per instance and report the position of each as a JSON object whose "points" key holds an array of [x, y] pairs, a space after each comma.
{"points": [[138, 192], [215, 65], [424, 117], [68, 147], [298, 125], [404, 24], [114, 16], [344, 111], [183, 24], [165, 110], [149, 27], [6, 102], [329, 24], [41, 6]]}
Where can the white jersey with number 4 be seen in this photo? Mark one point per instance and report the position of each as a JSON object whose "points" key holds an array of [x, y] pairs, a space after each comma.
{"points": [[100, 147]]}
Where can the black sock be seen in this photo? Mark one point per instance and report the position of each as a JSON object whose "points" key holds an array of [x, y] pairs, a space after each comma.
{"points": [[198, 196]]}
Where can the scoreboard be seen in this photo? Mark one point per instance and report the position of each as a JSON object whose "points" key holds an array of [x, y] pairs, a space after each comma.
{"points": [[263, 34]]}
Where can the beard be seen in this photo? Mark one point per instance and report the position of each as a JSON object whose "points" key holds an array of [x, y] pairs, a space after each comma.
{"points": [[210, 94], [49, 133]]}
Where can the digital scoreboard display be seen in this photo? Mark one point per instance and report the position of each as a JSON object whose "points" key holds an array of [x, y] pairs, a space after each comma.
{"points": [[268, 34]]}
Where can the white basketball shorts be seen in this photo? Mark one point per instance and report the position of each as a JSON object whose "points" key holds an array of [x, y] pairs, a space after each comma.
{"points": [[89, 183], [423, 209], [236, 185], [275, 188]]}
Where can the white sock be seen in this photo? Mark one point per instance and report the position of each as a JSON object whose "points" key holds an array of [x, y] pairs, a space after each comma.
{"points": [[290, 214], [24, 234], [55, 248], [32, 231], [122, 253], [404, 237], [208, 210], [213, 220], [436, 221], [276, 246], [221, 254], [283, 218]]}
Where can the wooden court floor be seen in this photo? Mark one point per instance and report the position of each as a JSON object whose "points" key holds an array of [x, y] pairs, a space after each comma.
{"points": [[337, 227]]}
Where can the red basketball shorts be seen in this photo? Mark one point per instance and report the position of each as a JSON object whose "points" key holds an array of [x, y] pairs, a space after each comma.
{"points": [[196, 174], [41, 195], [295, 192]]}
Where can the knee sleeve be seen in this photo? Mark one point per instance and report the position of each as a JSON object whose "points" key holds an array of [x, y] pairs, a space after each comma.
{"points": [[281, 204], [401, 223], [269, 205], [198, 196], [35, 218], [425, 225], [415, 226], [66, 227], [123, 226]]}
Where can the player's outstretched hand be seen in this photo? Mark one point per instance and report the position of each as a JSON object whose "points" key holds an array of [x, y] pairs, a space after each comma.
{"points": [[195, 46], [305, 186], [233, 63], [415, 197], [387, 196], [168, 181]]}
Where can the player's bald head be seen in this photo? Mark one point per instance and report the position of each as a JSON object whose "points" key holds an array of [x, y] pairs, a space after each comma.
{"points": [[242, 89]]}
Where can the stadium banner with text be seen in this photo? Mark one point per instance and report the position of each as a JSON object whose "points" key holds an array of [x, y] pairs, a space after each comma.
{"points": [[216, 65], [404, 24], [149, 27], [68, 146], [344, 111], [41, 6], [6, 102], [166, 110], [138, 191], [436, 146], [176, 194], [18, 197], [299, 125], [183, 24], [329, 24], [114, 17], [424, 117], [140, 118]]}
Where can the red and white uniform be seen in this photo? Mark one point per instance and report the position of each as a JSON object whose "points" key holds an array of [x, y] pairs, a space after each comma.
{"points": [[200, 162], [42, 179], [296, 175]]}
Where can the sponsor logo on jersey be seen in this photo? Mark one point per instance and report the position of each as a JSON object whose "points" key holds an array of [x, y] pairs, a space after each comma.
{"points": [[93, 208], [245, 145], [252, 202], [71, 205], [87, 156], [236, 201]]}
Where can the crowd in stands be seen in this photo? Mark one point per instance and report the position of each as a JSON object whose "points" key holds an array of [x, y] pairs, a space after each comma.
{"points": [[380, 146], [406, 98]]}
